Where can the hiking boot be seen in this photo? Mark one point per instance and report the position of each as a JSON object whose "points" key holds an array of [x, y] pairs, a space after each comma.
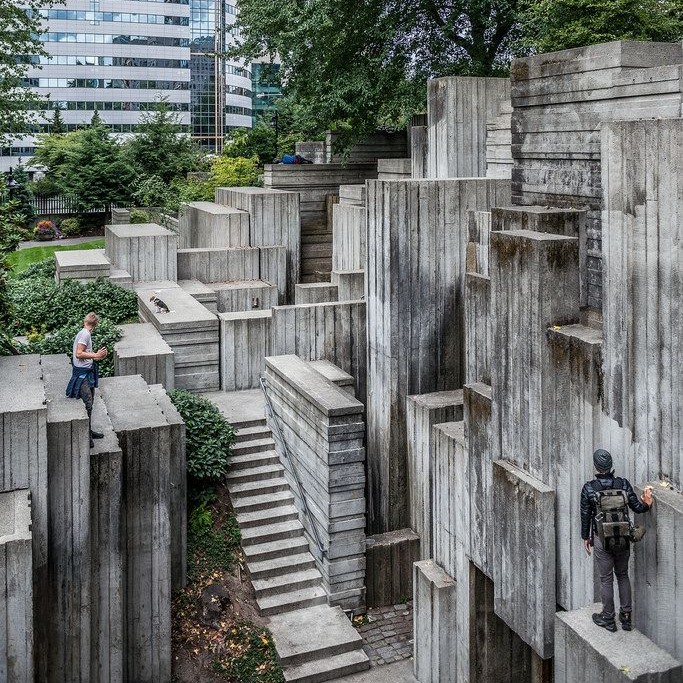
{"points": [[602, 620], [96, 435], [625, 619]]}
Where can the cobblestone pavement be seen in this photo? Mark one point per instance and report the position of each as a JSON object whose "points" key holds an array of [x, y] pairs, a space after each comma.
{"points": [[388, 635]]}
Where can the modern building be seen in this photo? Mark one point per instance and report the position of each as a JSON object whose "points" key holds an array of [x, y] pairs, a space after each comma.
{"points": [[220, 87], [265, 79], [115, 56]]}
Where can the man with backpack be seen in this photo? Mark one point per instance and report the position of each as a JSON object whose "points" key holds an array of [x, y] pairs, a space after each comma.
{"points": [[606, 525]]}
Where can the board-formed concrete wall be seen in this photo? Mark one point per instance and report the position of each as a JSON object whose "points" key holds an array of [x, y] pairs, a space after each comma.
{"points": [[219, 265], [643, 280], [245, 342], [350, 284], [324, 429], [419, 159], [245, 295], [142, 351], [458, 110], [146, 251], [315, 293], [418, 232], [560, 101], [16, 587], [209, 225], [499, 143], [348, 236], [422, 412]]}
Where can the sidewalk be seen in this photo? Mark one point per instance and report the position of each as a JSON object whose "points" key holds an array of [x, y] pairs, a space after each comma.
{"points": [[400, 672], [67, 241]]}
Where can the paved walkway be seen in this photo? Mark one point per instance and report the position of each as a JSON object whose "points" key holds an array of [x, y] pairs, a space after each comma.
{"points": [[388, 634], [67, 241], [239, 406], [400, 672]]}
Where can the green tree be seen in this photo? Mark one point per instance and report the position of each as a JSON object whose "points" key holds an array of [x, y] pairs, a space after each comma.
{"points": [[20, 29], [160, 149], [22, 193], [550, 25], [11, 225], [239, 172], [355, 66], [57, 125], [95, 171], [258, 141]]}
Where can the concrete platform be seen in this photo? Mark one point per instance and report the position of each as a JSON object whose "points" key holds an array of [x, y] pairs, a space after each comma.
{"points": [[143, 351], [244, 295], [82, 264], [586, 652], [240, 407], [400, 672], [203, 293], [210, 225], [335, 374]]}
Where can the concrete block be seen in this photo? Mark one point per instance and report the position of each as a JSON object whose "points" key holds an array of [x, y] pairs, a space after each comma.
{"points": [[415, 272], [643, 281], [524, 580], [658, 566], [389, 560], [350, 284], [122, 278], [584, 652], [245, 295], [422, 412], [418, 152], [205, 294], [143, 351], [65, 605], [146, 251], [336, 375], [83, 265], [208, 225], [435, 606], [349, 227], [352, 194], [16, 587], [274, 220], [378, 145], [218, 265], [313, 151], [458, 110], [273, 269], [478, 332], [499, 143], [315, 293], [245, 342], [394, 169]]}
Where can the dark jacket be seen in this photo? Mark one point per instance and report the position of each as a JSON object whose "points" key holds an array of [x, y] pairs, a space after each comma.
{"points": [[605, 481], [80, 375]]}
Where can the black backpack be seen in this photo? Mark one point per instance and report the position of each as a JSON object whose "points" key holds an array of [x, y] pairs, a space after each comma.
{"points": [[612, 521]]}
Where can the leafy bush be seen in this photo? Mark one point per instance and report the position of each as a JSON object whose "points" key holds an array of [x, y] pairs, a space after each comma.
{"points": [[235, 171], [139, 216], [152, 191], [42, 269], [44, 230], [42, 304], [71, 227], [208, 436], [62, 339]]}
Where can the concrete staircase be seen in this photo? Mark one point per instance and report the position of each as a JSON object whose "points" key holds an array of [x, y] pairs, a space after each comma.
{"points": [[315, 642]]}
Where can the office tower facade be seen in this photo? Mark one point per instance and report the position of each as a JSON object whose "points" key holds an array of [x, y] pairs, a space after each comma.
{"points": [[118, 57], [220, 87]]}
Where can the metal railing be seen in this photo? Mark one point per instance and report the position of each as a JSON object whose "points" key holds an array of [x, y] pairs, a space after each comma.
{"points": [[61, 204], [292, 468]]}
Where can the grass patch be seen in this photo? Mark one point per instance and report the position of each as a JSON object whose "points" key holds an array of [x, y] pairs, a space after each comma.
{"points": [[19, 260]]}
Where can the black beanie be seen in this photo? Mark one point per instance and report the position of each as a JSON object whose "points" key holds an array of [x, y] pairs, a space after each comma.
{"points": [[602, 460]]}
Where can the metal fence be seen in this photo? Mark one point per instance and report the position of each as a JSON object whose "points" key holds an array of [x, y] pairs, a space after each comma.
{"points": [[49, 206]]}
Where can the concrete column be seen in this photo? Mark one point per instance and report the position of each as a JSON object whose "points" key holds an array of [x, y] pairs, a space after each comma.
{"points": [[245, 342], [16, 587], [143, 351], [643, 283], [422, 412], [418, 233], [418, 152], [348, 236]]}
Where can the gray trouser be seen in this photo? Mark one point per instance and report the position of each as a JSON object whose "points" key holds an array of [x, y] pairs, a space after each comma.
{"points": [[612, 563], [86, 395]]}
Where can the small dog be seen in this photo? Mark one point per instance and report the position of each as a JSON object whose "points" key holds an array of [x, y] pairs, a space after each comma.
{"points": [[160, 305]]}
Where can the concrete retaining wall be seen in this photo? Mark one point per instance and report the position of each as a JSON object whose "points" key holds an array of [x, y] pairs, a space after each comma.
{"points": [[350, 284], [499, 143], [245, 342], [348, 236], [315, 293], [247, 295], [219, 265], [394, 169], [142, 351], [415, 273], [324, 431]]}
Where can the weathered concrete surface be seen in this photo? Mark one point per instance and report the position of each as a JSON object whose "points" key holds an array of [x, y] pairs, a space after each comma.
{"points": [[324, 430], [274, 220], [422, 412], [478, 332], [245, 295], [524, 555], [642, 182], [245, 342], [146, 251], [458, 110], [658, 566], [394, 169], [418, 152], [203, 293], [348, 236], [499, 143], [418, 233], [210, 225], [584, 652], [350, 284], [65, 606], [435, 605], [381, 144], [311, 150], [219, 265], [315, 293], [143, 351], [389, 567], [82, 264], [16, 587], [336, 375], [560, 101], [274, 270]]}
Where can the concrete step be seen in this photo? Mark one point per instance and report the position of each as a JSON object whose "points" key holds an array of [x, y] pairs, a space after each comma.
{"points": [[259, 431], [280, 565], [260, 552], [272, 532], [247, 520], [293, 600], [313, 633], [241, 462], [286, 583], [249, 424], [263, 502], [252, 446], [329, 668], [260, 487], [262, 473]]}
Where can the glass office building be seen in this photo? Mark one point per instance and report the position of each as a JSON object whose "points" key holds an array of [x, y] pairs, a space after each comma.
{"points": [[220, 88], [115, 56]]}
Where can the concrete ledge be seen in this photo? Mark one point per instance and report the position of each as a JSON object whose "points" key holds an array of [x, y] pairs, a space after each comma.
{"points": [[245, 295], [210, 225], [585, 652], [203, 293], [389, 567], [336, 375], [143, 351], [82, 264], [315, 293]]}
